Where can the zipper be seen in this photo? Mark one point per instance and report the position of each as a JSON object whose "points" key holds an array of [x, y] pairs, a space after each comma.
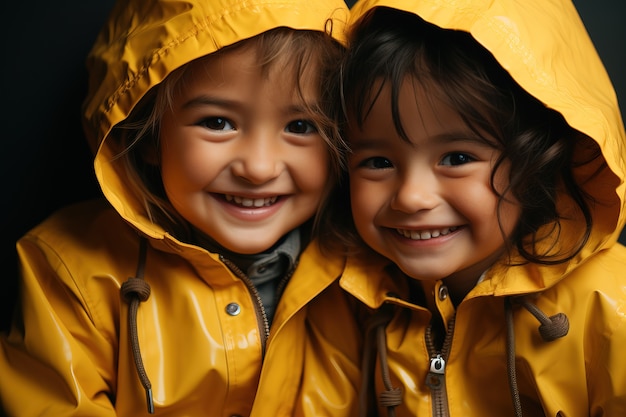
{"points": [[261, 314], [436, 377]]}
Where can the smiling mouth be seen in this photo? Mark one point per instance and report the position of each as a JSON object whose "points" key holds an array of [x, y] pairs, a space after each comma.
{"points": [[426, 234], [250, 202]]}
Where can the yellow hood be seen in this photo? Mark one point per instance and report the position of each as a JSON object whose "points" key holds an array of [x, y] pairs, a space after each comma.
{"points": [[145, 40], [545, 47]]}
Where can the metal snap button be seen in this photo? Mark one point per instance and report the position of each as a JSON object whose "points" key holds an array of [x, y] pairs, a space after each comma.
{"points": [[233, 309], [443, 293]]}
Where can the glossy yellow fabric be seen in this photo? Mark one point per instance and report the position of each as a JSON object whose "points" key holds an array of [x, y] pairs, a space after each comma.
{"points": [[546, 48], [68, 353]]}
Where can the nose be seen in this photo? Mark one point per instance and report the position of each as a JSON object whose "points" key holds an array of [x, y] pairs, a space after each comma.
{"points": [[258, 160], [416, 192]]}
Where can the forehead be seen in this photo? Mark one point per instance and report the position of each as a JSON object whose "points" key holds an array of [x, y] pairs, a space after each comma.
{"points": [[248, 60], [412, 106], [235, 78]]}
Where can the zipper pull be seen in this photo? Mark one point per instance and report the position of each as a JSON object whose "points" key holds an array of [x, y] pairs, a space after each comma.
{"points": [[435, 377]]}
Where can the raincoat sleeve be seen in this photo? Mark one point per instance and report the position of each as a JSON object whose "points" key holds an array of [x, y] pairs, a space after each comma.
{"points": [[605, 338], [54, 360], [607, 390]]}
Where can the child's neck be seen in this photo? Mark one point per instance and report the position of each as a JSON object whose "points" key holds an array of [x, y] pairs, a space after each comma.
{"points": [[458, 289], [463, 281]]}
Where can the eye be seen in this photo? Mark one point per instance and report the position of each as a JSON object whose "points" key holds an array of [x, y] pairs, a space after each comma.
{"points": [[216, 123], [376, 162], [456, 158], [301, 127]]}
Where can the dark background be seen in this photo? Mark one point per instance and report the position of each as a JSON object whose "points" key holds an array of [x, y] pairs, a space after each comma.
{"points": [[45, 162]]}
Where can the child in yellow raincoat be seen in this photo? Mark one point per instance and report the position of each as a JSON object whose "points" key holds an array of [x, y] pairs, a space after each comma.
{"points": [[197, 287], [487, 169]]}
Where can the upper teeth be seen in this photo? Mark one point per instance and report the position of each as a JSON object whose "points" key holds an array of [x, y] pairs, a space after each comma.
{"points": [[426, 234], [251, 202]]}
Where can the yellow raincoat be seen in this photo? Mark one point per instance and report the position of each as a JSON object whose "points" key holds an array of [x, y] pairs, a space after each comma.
{"points": [[545, 47], [69, 350]]}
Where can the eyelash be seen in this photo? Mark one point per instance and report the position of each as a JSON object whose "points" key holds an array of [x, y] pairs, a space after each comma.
{"points": [[450, 159], [466, 158], [299, 127], [371, 163], [221, 121], [309, 127]]}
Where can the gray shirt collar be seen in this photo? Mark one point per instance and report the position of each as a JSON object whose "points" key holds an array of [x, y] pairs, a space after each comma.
{"points": [[262, 265]]}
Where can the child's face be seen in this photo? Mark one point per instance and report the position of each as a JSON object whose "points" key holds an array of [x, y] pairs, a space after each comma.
{"points": [[240, 157], [427, 205]]}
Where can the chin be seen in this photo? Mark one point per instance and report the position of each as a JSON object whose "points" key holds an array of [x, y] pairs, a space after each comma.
{"points": [[251, 248], [420, 274]]}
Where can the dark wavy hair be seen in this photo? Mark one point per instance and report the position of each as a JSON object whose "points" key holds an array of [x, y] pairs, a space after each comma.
{"points": [[389, 45]]}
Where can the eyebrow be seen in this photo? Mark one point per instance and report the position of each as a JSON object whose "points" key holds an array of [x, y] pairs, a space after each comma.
{"points": [[451, 137], [206, 100], [366, 144], [464, 137]]}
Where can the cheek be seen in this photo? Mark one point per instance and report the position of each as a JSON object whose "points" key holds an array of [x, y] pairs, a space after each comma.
{"points": [[479, 205], [184, 164], [365, 203], [510, 214], [311, 168]]}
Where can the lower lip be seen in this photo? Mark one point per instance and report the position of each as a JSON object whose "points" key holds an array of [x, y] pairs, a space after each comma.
{"points": [[250, 214], [435, 241]]}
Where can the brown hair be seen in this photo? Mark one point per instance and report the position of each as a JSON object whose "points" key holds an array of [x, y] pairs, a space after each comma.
{"points": [[310, 56]]}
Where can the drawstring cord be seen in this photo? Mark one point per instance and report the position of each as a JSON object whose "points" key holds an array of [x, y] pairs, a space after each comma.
{"points": [[135, 290], [391, 397], [550, 329], [376, 340]]}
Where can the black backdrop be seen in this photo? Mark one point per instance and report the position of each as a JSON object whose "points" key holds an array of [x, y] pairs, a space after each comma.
{"points": [[45, 162]]}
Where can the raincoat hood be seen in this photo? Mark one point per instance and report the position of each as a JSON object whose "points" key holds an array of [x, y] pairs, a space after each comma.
{"points": [[112, 306], [544, 45], [144, 41], [527, 339]]}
